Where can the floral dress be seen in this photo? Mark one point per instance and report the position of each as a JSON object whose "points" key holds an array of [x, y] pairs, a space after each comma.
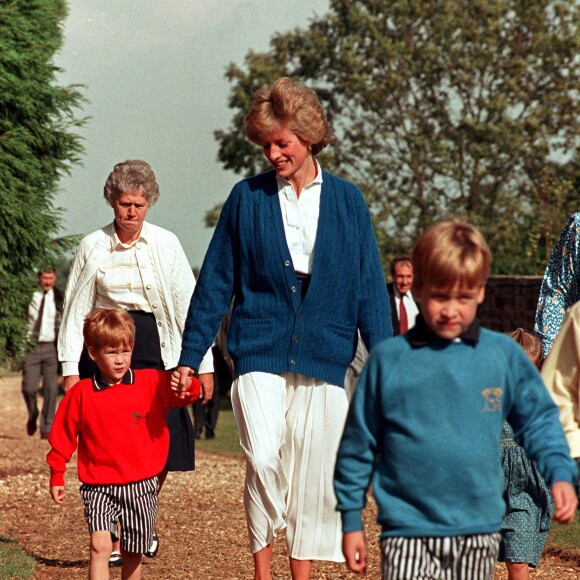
{"points": [[529, 506], [561, 284]]}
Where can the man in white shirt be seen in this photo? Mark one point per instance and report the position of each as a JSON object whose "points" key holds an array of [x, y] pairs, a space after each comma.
{"points": [[404, 309], [44, 314]]}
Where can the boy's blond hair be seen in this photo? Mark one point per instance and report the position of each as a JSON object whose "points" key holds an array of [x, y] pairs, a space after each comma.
{"points": [[109, 328], [450, 252]]}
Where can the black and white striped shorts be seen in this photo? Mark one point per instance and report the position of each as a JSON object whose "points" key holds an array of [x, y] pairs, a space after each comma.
{"points": [[134, 505], [455, 558]]}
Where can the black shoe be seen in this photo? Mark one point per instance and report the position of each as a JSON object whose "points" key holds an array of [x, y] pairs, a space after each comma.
{"points": [[31, 426], [115, 560], [153, 548], [209, 435]]}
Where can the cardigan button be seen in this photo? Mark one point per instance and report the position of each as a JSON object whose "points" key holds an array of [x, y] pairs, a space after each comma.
{"points": [[296, 339], [293, 288], [287, 263], [292, 362]]}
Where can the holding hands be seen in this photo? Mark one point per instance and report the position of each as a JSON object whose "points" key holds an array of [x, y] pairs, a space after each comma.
{"points": [[181, 381]]}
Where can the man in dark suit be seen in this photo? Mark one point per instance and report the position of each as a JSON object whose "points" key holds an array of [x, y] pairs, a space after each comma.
{"points": [[44, 315], [404, 309]]}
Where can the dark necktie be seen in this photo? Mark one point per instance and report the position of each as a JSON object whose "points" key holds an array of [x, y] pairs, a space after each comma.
{"points": [[38, 321], [403, 322]]}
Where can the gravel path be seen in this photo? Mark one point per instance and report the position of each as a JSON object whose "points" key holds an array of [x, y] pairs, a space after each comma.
{"points": [[201, 518]]}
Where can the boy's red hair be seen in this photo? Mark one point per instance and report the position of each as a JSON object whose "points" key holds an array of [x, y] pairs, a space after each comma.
{"points": [[109, 327]]}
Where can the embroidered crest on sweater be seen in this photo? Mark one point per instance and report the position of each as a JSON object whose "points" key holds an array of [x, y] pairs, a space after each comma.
{"points": [[137, 418], [492, 396]]}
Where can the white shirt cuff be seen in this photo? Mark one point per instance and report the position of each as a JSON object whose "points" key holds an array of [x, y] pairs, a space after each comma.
{"points": [[70, 368], [206, 365]]}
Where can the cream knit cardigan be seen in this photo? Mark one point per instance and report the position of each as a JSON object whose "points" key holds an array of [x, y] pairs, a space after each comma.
{"points": [[168, 283], [561, 373]]}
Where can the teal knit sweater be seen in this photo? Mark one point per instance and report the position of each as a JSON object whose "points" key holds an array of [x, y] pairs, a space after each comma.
{"points": [[424, 427], [271, 329]]}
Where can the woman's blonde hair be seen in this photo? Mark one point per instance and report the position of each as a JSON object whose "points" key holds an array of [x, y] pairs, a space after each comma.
{"points": [[292, 105], [450, 252], [109, 328], [530, 343]]}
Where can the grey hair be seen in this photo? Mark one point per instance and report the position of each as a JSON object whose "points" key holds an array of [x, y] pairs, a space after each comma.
{"points": [[130, 176]]}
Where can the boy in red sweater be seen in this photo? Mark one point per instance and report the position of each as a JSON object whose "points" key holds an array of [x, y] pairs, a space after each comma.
{"points": [[118, 421]]}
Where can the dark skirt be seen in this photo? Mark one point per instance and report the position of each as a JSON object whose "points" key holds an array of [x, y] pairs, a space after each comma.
{"points": [[147, 355]]}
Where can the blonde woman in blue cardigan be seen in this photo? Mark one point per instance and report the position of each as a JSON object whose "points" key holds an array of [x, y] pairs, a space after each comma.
{"points": [[294, 249]]}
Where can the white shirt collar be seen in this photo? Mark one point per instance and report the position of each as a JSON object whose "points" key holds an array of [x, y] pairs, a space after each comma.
{"points": [[399, 295], [115, 241], [286, 187]]}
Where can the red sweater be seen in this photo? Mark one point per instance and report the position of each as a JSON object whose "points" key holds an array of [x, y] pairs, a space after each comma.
{"points": [[121, 431]]}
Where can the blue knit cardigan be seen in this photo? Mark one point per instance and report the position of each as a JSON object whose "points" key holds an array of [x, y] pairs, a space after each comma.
{"points": [[271, 329]]}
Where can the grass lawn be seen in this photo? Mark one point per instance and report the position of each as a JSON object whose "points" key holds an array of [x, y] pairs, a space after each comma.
{"points": [[227, 441], [566, 537], [13, 562], [6, 373]]}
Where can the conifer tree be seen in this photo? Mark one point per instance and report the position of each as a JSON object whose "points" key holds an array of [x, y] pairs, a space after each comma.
{"points": [[38, 144]]}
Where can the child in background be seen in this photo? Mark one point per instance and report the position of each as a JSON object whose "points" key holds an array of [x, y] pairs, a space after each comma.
{"points": [[118, 421], [529, 507], [425, 421]]}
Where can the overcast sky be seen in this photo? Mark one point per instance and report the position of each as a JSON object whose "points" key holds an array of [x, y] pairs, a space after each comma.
{"points": [[154, 76]]}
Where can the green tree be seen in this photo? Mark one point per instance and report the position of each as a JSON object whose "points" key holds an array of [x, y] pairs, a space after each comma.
{"points": [[37, 145], [442, 107]]}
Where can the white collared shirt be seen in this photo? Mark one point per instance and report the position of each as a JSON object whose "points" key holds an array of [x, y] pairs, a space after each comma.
{"points": [[46, 333], [410, 306], [119, 282], [300, 217]]}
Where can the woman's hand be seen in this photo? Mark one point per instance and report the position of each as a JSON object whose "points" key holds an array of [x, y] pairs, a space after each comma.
{"points": [[206, 383], [70, 382], [181, 378], [57, 493], [180, 381]]}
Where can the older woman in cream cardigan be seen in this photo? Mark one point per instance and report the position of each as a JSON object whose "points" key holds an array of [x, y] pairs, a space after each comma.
{"points": [[142, 268]]}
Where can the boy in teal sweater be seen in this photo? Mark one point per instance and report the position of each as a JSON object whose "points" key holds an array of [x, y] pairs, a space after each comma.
{"points": [[425, 423]]}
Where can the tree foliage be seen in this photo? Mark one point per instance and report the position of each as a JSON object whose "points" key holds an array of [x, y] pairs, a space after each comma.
{"points": [[442, 107], [38, 144]]}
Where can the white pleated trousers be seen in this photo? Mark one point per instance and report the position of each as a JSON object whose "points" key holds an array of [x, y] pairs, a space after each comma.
{"points": [[290, 428]]}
